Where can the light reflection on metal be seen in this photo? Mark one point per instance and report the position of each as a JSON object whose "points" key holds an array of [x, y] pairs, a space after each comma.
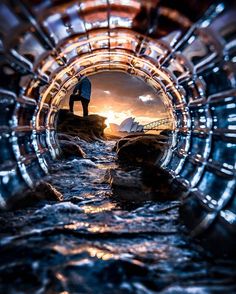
{"points": [[192, 69]]}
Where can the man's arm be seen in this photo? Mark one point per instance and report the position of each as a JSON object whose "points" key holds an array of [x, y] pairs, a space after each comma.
{"points": [[77, 89]]}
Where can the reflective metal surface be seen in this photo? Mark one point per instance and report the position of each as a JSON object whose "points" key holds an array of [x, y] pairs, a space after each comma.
{"points": [[188, 57]]}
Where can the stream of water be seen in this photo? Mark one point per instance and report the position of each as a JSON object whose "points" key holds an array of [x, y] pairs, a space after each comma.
{"points": [[94, 242]]}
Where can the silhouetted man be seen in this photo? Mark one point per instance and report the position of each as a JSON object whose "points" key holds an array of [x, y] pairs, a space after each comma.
{"points": [[81, 92]]}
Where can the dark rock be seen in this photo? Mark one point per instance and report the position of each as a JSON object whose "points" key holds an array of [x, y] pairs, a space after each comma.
{"points": [[145, 149], [87, 128], [167, 133], [65, 137], [128, 185], [128, 179], [122, 141], [42, 191], [70, 148], [143, 135], [139, 185], [46, 191], [148, 182], [160, 183]]}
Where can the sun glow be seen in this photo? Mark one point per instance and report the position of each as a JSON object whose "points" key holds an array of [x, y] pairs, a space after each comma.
{"points": [[114, 117], [110, 115]]}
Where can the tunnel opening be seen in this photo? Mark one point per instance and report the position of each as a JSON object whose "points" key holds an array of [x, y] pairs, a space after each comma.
{"points": [[119, 96], [187, 58]]}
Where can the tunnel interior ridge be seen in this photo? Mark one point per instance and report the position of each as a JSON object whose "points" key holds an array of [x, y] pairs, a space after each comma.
{"points": [[47, 45]]}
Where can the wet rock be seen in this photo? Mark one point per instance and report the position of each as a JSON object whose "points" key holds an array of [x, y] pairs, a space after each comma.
{"points": [[148, 182], [42, 191], [87, 128], [167, 133], [65, 137], [128, 185], [160, 183], [139, 185], [122, 141], [129, 179], [84, 163], [46, 191], [59, 207], [70, 148], [145, 149]]}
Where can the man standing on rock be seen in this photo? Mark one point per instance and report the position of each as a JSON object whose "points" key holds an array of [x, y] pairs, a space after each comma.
{"points": [[81, 92]]}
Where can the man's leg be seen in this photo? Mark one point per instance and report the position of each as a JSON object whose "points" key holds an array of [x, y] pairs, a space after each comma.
{"points": [[71, 104], [85, 104]]}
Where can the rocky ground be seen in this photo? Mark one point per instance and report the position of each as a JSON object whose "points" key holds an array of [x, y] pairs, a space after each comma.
{"points": [[87, 128], [137, 154], [100, 227]]}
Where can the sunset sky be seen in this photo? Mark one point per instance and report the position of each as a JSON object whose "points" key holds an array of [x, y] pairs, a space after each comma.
{"points": [[118, 96]]}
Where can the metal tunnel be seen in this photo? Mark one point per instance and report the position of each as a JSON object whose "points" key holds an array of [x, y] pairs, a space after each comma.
{"points": [[185, 49]]}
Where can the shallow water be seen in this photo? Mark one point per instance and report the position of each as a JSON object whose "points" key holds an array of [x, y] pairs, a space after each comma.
{"points": [[93, 242]]}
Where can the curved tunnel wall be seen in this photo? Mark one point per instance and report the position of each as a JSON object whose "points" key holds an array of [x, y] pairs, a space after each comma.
{"points": [[192, 66]]}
